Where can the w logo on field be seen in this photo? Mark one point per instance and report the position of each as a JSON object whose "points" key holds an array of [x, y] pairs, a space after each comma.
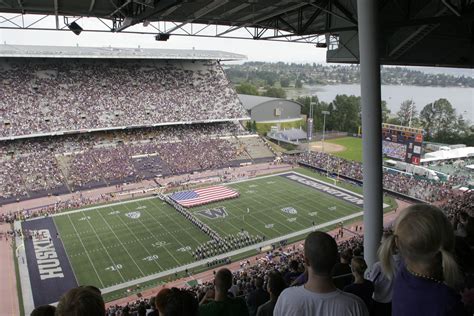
{"points": [[133, 215], [213, 213], [289, 210]]}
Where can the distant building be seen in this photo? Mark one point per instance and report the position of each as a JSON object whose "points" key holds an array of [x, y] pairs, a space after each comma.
{"points": [[271, 110]]}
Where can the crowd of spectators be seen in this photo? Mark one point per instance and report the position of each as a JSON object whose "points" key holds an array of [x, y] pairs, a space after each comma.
{"points": [[45, 96], [75, 161], [414, 186]]}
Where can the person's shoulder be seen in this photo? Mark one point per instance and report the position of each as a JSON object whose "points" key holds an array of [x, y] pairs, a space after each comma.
{"points": [[349, 298]]}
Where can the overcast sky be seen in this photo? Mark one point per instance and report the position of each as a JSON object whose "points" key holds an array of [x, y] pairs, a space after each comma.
{"points": [[254, 50]]}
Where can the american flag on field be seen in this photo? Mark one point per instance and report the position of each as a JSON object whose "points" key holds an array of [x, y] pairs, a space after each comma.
{"points": [[203, 196]]}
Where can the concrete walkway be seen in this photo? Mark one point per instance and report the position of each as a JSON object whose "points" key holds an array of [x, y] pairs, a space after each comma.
{"points": [[8, 293]]}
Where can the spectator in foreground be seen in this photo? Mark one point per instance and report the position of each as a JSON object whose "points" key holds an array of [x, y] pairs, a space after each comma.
{"points": [[161, 300], [342, 270], [81, 301], [257, 297], [383, 285], [319, 296], [361, 287], [276, 284], [221, 303], [181, 302], [44, 310], [152, 311], [428, 275]]}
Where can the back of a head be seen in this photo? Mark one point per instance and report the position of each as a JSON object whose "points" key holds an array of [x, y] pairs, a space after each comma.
{"points": [[294, 265], [358, 265], [422, 234], [223, 280], [44, 310], [181, 303], [161, 299], [258, 282], [321, 253], [81, 301], [276, 283]]}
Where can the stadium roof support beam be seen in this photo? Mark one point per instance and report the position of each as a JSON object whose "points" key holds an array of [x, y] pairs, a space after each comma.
{"points": [[263, 18], [371, 132], [202, 12]]}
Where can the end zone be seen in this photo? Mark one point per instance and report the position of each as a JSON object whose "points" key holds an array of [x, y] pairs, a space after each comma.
{"points": [[48, 270]]}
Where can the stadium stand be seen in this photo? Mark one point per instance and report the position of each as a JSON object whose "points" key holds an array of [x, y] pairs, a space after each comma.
{"points": [[57, 164], [413, 186], [41, 96]]}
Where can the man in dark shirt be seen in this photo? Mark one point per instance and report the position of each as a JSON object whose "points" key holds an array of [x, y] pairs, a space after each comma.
{"points": [[257, 297], [342, 273], [222, 304], [293, 274], [276, 284]]}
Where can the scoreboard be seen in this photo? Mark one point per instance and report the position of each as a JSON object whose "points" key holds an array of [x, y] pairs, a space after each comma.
{"points": [[402, 143]]}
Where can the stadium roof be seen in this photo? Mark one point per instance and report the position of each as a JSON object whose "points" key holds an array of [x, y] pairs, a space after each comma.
{"points": [[112, 52], [421, 32]]}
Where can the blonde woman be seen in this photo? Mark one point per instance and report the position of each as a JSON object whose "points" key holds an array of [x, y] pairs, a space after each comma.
{"points": [[428, 275]]}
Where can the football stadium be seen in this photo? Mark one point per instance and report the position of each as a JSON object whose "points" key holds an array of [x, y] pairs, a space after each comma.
{"points": [[133, 183]]}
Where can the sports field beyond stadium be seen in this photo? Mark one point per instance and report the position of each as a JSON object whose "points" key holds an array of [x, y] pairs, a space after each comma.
{"points": [[111, 246]]}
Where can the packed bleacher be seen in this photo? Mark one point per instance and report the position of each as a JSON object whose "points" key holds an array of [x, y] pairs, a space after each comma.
{"points": [[45, 96], [413, 186], [59, 164]]}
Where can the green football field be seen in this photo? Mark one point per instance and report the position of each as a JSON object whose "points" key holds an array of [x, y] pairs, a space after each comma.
{"points": [[114, 244]]}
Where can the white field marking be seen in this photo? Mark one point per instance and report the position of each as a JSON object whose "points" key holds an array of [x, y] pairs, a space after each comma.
{"points": [[269, 225], [228, 254], [85, 249], [146, 249], [98, 206], [105, 248], [292, 219], [131, 257], [187, 232], [151, 234]]}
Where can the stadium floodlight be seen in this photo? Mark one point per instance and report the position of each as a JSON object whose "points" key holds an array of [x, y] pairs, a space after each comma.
{"points": [[324, 113], [162, 37], [75, 28]]}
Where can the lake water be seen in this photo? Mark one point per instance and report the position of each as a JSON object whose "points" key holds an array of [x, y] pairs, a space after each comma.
{"points": [[462, 99]]}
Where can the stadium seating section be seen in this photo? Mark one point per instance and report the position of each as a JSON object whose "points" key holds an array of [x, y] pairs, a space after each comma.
{"points": [[55, 95]]}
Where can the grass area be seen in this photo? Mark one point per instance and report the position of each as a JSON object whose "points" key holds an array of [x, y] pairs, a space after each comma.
{"points": [[353, 147], [114, 244]]}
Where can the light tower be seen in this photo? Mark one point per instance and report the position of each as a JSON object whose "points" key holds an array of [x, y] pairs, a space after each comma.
{"points": [[309, 131]]}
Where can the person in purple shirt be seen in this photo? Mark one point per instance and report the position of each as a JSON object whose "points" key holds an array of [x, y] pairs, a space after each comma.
{"points": [[428, 274]]}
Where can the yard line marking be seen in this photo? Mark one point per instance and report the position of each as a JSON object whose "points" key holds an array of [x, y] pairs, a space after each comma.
{"points": [[146, 249], [229, 254], [85, 249], [126, 250], [103, 246], [167, 250], [187, 232]]}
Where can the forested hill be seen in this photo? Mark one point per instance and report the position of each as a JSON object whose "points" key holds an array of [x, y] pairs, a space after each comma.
{"points": [[262, 73]]}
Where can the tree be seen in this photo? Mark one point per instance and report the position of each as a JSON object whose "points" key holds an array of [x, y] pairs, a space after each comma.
{"points": [[275, 92], [254, 126], [285, 82], [438, 119], [248, 125], [407, 115], [246, 88], [345, 114], [385, 112], [298, 84]]}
